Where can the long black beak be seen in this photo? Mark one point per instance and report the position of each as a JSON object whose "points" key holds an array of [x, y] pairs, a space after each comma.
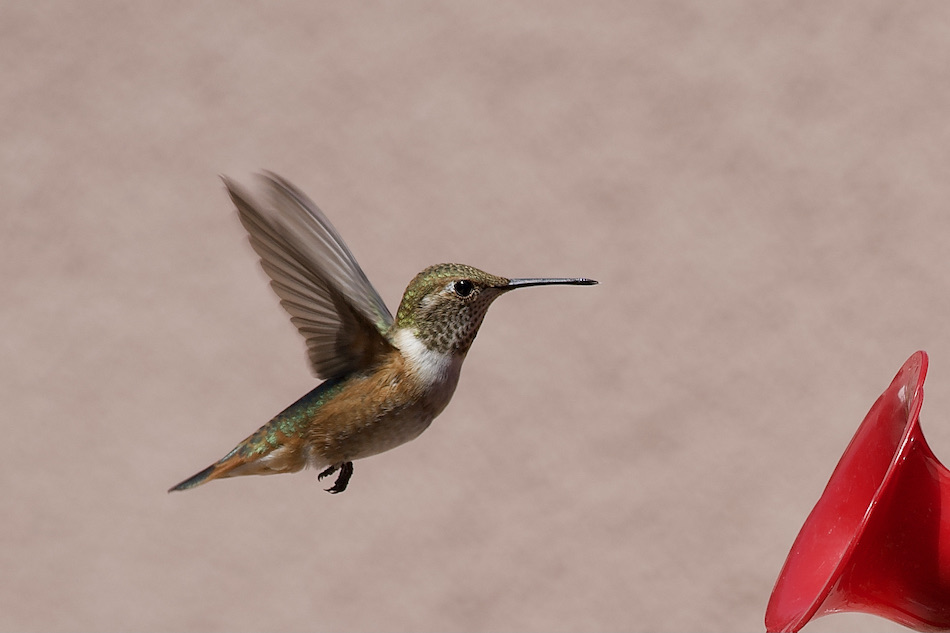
{"points": [[549, 281]]}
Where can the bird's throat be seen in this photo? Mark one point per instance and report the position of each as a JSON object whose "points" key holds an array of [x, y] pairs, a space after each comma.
{"points": [[430, 367]]}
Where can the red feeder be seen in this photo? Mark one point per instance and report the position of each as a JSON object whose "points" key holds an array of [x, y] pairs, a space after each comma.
{"points": [[878, 540]]}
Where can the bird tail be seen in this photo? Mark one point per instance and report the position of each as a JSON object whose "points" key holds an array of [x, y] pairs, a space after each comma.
{"points": [[274, 448], [217, 470], [256, 455]]}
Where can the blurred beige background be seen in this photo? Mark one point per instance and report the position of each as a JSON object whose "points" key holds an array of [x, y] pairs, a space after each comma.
{"points": [[761, 189]]}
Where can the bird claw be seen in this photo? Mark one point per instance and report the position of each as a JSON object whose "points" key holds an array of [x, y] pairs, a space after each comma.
{"points": [[346, 471]]}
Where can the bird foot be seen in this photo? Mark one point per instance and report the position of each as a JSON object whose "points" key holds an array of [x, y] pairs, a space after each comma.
{"points": [[346, 471]]}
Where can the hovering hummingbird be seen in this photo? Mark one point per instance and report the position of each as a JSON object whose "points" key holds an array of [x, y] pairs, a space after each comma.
{"points": [[385, 379]]}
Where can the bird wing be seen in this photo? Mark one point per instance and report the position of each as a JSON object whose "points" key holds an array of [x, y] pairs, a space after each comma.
{"points": [[319, 282]]}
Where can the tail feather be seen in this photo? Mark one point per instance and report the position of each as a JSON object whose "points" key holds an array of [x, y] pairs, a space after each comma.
{"points": [[223, 468], [243, 461], [195, 480], [274, 448]]}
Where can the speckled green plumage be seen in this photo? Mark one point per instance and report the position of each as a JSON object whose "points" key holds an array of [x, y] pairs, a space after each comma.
{"points": [[426, 281], [444, 321]]}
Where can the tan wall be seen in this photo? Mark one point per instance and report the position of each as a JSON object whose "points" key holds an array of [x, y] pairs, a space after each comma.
{"points": [[761, 190]]}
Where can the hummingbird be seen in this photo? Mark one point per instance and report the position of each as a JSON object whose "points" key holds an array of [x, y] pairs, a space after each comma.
{"points": [[384, 379]]}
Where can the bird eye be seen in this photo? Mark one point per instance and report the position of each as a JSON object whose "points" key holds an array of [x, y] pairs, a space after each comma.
{"points": [[463, 287]]}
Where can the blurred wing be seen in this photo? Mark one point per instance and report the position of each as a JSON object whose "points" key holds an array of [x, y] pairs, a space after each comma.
{"points": [[319, 282]]}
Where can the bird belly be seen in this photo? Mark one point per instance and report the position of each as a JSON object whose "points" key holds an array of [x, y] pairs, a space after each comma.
{"points": [[376, 413], [386, 433]]}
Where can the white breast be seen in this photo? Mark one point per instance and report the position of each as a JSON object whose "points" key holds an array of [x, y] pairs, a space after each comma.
{"points": [[438, 371]]}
